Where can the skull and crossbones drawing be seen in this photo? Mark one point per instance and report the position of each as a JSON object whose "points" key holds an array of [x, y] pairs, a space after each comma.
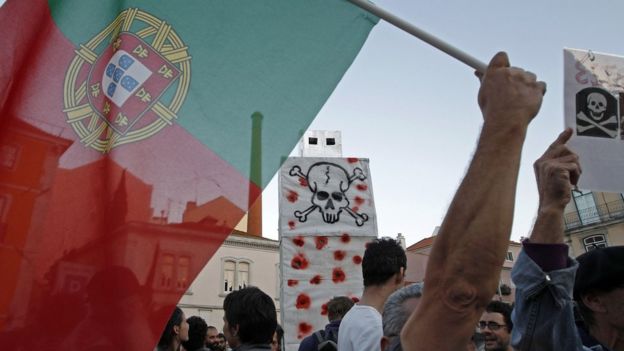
{"points": [[596, 120], [329, 183]]}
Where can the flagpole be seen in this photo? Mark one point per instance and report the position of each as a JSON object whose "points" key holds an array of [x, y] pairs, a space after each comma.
{"points": [[421, 34]]}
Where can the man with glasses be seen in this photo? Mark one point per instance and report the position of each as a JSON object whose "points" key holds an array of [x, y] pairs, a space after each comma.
{"points": [[495, 325]]}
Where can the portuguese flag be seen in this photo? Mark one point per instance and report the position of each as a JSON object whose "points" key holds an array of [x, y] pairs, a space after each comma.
{"points": [[126, 149]]}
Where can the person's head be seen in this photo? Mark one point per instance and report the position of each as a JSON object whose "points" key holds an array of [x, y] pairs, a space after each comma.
{"points": [[599, 287], [397, 309], [211, 336], [337, 307], [495, 325], [221, 341], [196, 334], [278, 336], [176, 331], [384, 262], [250, 317]]}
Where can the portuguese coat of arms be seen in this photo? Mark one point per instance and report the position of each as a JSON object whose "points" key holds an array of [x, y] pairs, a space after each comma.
{"points": [[128, 82]]}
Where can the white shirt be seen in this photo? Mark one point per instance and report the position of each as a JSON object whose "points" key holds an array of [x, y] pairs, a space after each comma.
{"points": [[361, 329]]}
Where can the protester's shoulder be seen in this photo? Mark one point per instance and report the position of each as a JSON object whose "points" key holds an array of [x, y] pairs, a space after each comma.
{"points": [[352, 317], [361, 320], [308, 343]]}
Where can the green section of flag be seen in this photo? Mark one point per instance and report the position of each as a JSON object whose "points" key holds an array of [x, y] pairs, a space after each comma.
{"points": [[281, 58]]}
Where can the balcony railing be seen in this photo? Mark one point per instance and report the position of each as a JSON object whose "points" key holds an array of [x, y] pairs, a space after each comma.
{"points": [[597, 214]]}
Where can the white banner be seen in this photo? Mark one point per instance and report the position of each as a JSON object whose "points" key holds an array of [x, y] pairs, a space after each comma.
{"points": [[315, 269], [593, 98], [326, 196], [327, 215]]}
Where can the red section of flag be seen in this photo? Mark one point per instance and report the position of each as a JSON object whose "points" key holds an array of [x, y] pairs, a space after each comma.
{"points": [[88, 238]]}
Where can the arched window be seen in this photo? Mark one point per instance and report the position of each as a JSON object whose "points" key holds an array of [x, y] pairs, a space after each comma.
{"points": [[229, 270], [594, 242], [235, 273], [243, 275]]}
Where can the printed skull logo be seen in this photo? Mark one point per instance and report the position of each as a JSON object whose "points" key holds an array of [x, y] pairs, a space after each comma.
{"points": [[597, 105], [596, 113], [329, 183]]}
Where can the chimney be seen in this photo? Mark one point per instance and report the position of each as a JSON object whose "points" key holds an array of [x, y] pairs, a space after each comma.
{"points": [[401, 239], [254, 214]]}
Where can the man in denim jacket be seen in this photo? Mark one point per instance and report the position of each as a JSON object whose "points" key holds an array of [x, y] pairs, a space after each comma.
{"points": [[545, 277]]}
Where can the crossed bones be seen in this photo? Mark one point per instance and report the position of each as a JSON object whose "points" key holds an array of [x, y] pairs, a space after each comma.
{"points": [[593, 124], [302, 216]]}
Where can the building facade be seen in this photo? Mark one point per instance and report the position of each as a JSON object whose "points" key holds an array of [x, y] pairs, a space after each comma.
{"points": [[241, 261], [593, 220]]}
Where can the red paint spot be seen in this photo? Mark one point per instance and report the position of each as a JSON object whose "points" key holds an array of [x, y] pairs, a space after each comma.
{"points": [[291, 225], [324, 309], [292, 196], [293, 282], [303, 302], [304, 330], [321, 242], [361, 187], [358, 201], [316, 280], [352, 159], [355, 299], [339, 255], [345, 238], [299, 262], [355, 209], [338, 275], [298, 240], [357, 259], [303, 182]]}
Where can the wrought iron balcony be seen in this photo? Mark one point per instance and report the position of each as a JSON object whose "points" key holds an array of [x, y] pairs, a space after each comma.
{"points": [[598, 214]]}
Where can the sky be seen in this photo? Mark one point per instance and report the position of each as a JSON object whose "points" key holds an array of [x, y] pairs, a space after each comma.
{"points": [[412, 109]]}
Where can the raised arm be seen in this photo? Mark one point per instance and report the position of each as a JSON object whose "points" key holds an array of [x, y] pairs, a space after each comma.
{"points": [[555, 172], [466, 259], [544, 276]]}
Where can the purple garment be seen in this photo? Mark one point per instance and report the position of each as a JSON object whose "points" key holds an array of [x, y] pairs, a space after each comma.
{"points": [[549, 257]]}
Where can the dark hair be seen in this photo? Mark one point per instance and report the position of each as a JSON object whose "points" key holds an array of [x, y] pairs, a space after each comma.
{"points": [[383, 259], [168, 334], [338, 307], [280, 336], [197, 334], [502, 308], [221, 336], [254, 313], [600, 270]]}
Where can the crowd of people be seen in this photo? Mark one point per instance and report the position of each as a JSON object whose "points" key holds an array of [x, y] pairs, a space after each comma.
{"points": [[561, 303]]}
